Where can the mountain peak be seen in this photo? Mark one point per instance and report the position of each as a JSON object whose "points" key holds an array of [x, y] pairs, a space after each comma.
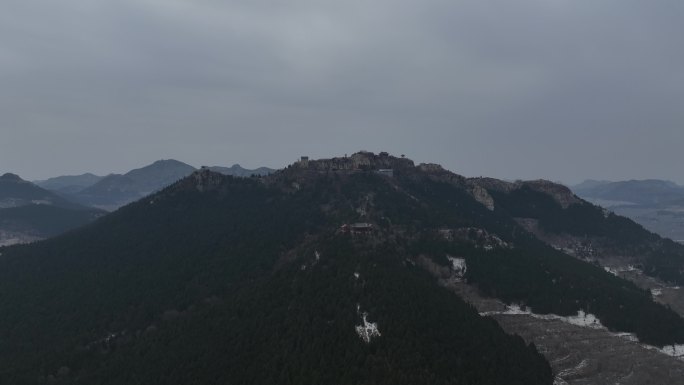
{"points": [[11, 177], [362, 160], [168, 163]]}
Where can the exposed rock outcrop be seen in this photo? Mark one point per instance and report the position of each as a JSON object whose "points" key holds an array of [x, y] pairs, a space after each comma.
{"points": [[206, 180], [481, 195], [560, 193]]}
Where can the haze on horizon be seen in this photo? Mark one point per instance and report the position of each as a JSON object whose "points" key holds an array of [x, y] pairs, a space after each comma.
{"points": [[556, 89]]}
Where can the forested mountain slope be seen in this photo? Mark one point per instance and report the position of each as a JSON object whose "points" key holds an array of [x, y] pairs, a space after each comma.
{"points": [[589, 231], [315, 274]]}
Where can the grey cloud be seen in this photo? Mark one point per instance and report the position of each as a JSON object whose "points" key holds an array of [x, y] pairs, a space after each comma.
{"points": [[533, 88]]}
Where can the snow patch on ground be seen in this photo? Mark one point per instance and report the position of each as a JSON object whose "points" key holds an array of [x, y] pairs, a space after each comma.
{"points": [[575, 370], [458, 265], [673, 350], [581, 319], [627, 336], [616, 270], [367, 330], [656, 292], [589, 320]]}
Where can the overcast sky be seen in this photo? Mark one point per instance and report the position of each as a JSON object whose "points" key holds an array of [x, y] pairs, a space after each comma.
{"points": [[556, 89]]}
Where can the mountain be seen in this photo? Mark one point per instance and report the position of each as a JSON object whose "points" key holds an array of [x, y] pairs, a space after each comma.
{"points": [[337, 271], [589, 185], [115, 190], [69, 184], [29, 213], [641, 192], [237, 170], [655, 204], [15, 192]]}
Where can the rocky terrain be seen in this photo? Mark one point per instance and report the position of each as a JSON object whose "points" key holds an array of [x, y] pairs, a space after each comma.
{"points": [[581, 355]]}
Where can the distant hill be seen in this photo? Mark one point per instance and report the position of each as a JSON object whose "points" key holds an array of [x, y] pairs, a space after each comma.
{"points": [[658, 205], [69, 184], [642, 192], [589, 184], [115, 190], [16, 192], [29, 213]]}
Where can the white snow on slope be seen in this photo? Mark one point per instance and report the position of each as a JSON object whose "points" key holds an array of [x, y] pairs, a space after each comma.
{"points": [[458, 265], [568, 372], [367, 330], [616, 270], [589, 320], [581, 319], [673, 350]]}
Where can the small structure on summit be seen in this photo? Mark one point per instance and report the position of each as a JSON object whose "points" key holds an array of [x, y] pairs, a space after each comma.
{"points": [[362, 161], [361, 227], [388, 172], [356, 228]]}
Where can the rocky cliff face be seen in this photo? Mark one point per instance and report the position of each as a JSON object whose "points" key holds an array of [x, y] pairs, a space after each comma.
{"points": [[561, 194], [481, 195]]}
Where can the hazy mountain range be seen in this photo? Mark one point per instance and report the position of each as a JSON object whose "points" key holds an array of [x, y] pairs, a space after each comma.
{"points": [[34, 211], [332, 271], [70, 184], [657, 205], [115, 190], [28, 212]]}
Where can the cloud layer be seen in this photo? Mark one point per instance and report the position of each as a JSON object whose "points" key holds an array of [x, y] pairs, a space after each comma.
{"points": [[558, 89]]}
